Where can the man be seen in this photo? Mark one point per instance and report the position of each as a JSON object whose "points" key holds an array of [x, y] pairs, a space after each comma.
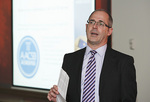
{"points": [[115, 77]]}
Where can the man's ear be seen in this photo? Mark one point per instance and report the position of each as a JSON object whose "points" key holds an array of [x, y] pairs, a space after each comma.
{"points": [[86, 25], [110, 30]]}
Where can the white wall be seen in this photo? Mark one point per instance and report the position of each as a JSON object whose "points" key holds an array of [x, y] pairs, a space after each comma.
{"points": [[132, 27]]}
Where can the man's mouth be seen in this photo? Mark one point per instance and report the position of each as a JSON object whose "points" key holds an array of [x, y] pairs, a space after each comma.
{"points": [[93, 33]]}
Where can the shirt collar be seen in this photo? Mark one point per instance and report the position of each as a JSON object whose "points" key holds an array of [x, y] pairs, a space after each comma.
{"points": [[101, 50]]}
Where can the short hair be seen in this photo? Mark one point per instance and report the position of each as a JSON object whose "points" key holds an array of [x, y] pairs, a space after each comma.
{"points": [[110, 22]]}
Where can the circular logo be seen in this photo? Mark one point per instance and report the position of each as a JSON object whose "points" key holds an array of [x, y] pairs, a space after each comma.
{"points": [[28, 57]]}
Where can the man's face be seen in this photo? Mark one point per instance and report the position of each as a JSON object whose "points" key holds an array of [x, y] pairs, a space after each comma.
{"points": [[97, 34]]}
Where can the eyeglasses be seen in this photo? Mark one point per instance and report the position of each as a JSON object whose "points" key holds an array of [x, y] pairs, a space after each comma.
{"points": [[100, 23]]}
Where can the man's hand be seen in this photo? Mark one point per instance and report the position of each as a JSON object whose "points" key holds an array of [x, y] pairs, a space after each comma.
{"points": [[53, 93]]}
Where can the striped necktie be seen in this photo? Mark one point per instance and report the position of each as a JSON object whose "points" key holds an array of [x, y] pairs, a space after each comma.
{"points": [[89, 82]]}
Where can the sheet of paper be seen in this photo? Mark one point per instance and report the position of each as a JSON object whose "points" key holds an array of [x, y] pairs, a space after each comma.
{"points": [[62, 86], [60, 98]]}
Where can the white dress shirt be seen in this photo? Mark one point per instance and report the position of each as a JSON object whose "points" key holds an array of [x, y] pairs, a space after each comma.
{"points": [[99, 57]]}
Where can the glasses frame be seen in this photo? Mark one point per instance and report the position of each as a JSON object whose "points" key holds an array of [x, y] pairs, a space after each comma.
{"points": [[88, 21]]}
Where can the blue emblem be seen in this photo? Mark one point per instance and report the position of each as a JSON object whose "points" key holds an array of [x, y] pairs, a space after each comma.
{"points": [[28, 57], [82, 44]]}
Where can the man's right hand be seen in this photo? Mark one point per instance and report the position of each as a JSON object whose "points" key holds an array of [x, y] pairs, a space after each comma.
{"points": [[53, 93]]}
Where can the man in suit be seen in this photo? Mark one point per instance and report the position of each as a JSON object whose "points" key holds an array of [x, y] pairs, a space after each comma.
{"points": [[115, 78]]}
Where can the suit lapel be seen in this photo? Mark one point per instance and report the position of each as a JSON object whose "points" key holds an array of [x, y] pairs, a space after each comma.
{"points": [[80, 61], [108, 64]]}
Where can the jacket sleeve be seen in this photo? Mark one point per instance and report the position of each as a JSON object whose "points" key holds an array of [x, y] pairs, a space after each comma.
{"points": [[128, 81]]}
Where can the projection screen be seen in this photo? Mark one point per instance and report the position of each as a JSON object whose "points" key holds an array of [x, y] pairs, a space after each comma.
{"points": [[42, 32]]}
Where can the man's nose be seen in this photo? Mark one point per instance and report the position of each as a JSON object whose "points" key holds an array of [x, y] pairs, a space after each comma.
{"points": [[95, 25]]}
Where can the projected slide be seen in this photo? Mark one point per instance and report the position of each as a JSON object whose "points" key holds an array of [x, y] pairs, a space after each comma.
{"points": [[43, 31]]}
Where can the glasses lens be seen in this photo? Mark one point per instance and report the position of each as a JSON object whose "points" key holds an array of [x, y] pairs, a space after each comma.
{"points": [[101, 23], [92, 22]]}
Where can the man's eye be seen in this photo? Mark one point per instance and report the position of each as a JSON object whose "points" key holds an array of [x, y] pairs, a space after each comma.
{"points": [[91, 22], [101, 23]]}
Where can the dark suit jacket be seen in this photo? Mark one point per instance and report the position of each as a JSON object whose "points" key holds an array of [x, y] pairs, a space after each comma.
{"points": [[117, 79]]}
